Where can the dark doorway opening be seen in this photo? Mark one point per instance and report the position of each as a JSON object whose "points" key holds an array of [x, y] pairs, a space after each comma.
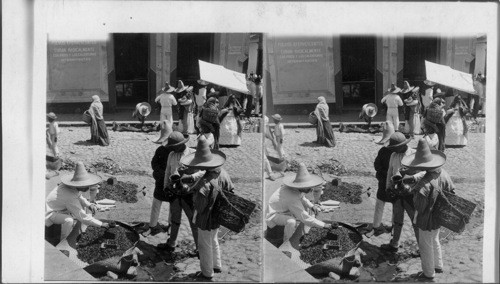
{"points": [[191, 48], [416, 51], [131, 66], [358, 70]]}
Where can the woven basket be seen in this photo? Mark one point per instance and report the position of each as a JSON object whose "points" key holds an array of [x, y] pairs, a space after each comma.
{"points": [[454, 211], [210, 115], [234, 211], [86, 117], [313, 119]]}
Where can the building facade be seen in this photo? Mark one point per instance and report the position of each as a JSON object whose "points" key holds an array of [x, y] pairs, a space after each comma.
{"points": [[350, 71], [130, 68]]}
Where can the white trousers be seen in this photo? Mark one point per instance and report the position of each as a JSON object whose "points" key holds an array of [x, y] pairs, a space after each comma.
{"points": [[430, 251], [65, 220], [267, 166], [379, 213], [166, 114], [208, 248], [393, 115], [289, 222], [155, 212]]}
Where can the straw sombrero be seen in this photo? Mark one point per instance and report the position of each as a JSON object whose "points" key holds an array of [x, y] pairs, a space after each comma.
{"points": [[202, 82], [80, 178], [429, 83], [394, 89], [370, 109], [180, 87], [303, 179], [406, 87], [204, 158], [176, 139], [397, 139], [143, 109], [424, 158], [165, 131], [276, 116], [170, 88], [388, 131], [51, 115]]}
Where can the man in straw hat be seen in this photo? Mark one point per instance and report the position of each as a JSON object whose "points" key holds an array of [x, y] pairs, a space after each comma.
{"points": [[206, 190], [424, 171], [288, 204], [65, 203], [166, 99], [393, 101], [142, 110], [179, 199], [401, 203], [368, 111]]}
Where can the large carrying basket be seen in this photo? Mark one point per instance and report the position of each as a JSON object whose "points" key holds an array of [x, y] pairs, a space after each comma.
{"points": [[86, 117], [313, 119], [455, 211], [234, 211]]}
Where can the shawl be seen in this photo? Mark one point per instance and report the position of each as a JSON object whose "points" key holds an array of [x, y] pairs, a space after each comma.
{"points": [[96, 108], [322, 109]]}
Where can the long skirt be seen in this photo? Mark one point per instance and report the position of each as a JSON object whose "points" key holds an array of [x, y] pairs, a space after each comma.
{"points": [[325, 134], [229, 131], [414, 123], [186, 124], [455, 131], [101, 135]]}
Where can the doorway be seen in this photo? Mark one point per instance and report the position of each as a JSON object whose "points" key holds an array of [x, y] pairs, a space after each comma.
{"points": [[131, 52], [416, 51], [358, 70], [192, 47]]}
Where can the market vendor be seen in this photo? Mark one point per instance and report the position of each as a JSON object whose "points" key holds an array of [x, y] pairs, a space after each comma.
{"points": [[368, 111], [142, 110], [288, 205], [65, 203]]}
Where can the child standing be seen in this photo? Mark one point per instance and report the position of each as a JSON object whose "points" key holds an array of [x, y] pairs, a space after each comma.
{"points": [[52, 133], [279, 132]]}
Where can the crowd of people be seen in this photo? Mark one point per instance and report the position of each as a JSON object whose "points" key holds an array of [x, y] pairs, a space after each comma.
{"points": [[186, 179]]}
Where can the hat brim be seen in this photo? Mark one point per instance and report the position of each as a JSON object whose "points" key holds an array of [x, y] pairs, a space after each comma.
{"points": [[202, 82], [148, 108], [181, 89], [398, 145], [91, 180], [276, 117], [186, 139], [53, 117], [382, 141], [371, 105], [312, 182], [438, 160], [395, 91], [218, 159], [405, 91], [429, 83]]}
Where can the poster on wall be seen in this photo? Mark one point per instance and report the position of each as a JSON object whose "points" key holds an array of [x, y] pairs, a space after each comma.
{"points": [[303, 69], [76, 71]]}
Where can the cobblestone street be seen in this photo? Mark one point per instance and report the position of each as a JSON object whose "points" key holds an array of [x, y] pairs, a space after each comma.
{"points": [[357, 151], [133, 152]]}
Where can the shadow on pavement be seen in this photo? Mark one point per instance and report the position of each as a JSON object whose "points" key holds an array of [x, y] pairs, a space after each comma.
{"points": [[83, 143], [311, 144]]}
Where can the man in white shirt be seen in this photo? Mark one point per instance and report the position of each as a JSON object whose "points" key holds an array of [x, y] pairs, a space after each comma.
{"points": [[65, 203], [393, 101], [166, 100], [288, 205]]}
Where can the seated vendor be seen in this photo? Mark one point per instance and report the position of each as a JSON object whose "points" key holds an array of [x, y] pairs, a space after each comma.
{"points": [[65, 203], [368, 111], [288, 204], [142, 110]]}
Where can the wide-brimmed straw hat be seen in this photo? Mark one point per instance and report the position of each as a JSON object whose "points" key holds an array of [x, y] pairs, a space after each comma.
{"points": [[303, 179], [388, 131], [165, 131], [407, 88], [398, 139], [168, 88], [143, 109], [176, 138], [424, 158], [394, 89], [181, 87], [277, 117], [429, 83], [439, 94], [81, 178], [202, 82], [51, 115], [204, 158], [370, 109]]}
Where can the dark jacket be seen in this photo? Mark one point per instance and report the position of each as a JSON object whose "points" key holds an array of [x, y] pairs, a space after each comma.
{"points": [[159, 164], [205, 198], [381, 165]]}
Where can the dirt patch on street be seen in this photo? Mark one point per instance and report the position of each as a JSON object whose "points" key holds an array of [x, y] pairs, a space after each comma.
{"points": [[106, 165], [345, 192], [121, 191]]}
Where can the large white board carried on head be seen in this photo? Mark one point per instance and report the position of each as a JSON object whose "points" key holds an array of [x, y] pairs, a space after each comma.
{"points": [[449, 77], [219, 75]]}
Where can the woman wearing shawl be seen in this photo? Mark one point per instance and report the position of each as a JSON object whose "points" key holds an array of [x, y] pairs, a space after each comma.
{"points": [[186, 122], [98, 131], [456, 128], [324, 129], [230, 126], [209, 120]]}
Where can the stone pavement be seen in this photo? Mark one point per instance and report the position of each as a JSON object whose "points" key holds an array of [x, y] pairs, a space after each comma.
{"points": [[133, 152], [356, 151]]}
